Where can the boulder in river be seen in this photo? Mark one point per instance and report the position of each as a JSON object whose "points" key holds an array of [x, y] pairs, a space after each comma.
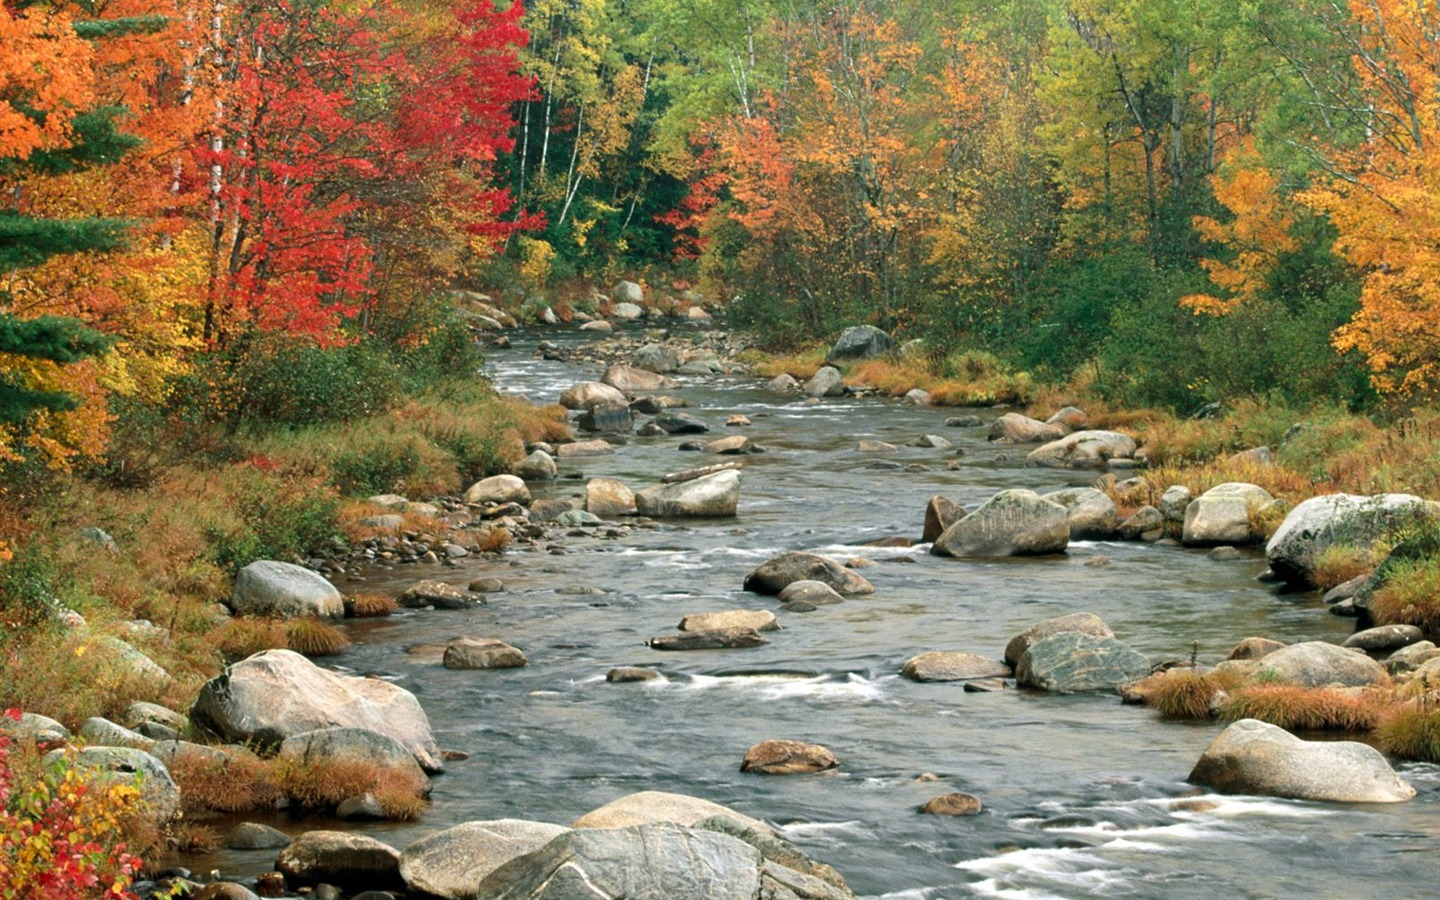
{"points": [[278, 693], [827, 382], [731, 445], [1091, 513], [1012, 523], [1254, 757], [680, 423], [608, 498], [812, 593], [1174, 502], [498, 489], [1145, 524], [628, 378], [482, 653], [656, 358], [351, 861], [773, 576], [758, 619], [538, 466], [787, 758], [956, 804], [1384, 638], [708, 496], [450, 864], [870, 445], [1255, 648], [1083, 450], [1071, 662], [584, 448], [606, 418], [1318, 664], [783, 384], [1221, 515], [438, 594], [946, 665], [648, 807], [586, 394], [940, 513], [660, 860], [270, 588], [1013, 428], [715, 639], [1081, 622], [860, 342], [1343, 520]]}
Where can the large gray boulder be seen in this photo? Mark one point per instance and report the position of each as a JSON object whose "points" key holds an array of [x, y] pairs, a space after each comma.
{"points": [[1221, 515], [351, 861], [1317, 664], [590, 393], [650, 862], [279, 693], [706, 497], [121, 765], [1345, 520], [1083, 450], [1091, 513], [1072, 662], [1254, 757], [497, 490], [828, 382], [1082, 622], [657, 358], [450, 864], [625, 377], [1013, 428], [270, 588], [659, 806], [860, 342], [1012, 523], [773, 576], [361, 744], [538, 466]]}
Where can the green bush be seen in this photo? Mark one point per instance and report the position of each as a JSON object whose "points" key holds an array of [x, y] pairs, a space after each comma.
{"points": [[273, 519], [375, 469], [28, 594]]}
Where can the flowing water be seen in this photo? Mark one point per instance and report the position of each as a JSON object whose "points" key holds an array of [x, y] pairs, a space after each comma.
{"points": [[1080, 791]]}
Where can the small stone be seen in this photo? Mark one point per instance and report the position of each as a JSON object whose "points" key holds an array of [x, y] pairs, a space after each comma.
{"points": [[1225, 554], [482, 653], [787, 758], [630, 674], [956, 804], [1097, 561], [256, 836], [720, 639]]}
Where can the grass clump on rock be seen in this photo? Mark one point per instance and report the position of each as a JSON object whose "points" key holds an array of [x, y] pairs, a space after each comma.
{"points": [[1298, 708], [1410, 595], [1187, 694], [314, 637], [1411, 731], [370, 606]]}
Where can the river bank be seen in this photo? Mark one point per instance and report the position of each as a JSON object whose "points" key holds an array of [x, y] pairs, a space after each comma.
{"points": [[580, 601]]}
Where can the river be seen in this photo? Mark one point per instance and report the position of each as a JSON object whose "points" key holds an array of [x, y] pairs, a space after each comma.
{"points": [[1080, 791]]}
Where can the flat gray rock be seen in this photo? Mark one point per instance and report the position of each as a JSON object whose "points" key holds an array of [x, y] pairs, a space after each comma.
{"points": [[451, 864]]}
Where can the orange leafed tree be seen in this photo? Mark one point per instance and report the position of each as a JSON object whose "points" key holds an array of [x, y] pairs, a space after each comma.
{"points": [[1383, 196]]}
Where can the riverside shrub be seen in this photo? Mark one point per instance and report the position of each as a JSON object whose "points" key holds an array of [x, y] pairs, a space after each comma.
{"points": [[61, 837]]}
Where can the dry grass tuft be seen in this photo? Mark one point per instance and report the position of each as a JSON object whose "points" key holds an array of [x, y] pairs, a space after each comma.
{"points": [[370, 606], [1411, 731], [245, 636], [1410, 595], [314, 637], [1339, 564], [493, 540], [192, 837], [1186, 694], [322, 784], [235, 783], [1297, 708]]}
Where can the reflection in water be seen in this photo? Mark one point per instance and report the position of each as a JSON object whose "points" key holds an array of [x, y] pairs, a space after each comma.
{"points": [[1079, 791]]}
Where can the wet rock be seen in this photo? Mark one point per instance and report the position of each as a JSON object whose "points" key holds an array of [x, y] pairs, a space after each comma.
{"points": [[986, 685], [590, 393], [648, 807], [944, 665], [451, 864], [1225, 554], [552, 508], [498, 489], [940, 513], [482, 653], [1221, 515], [256, 836], [1347, 590], [783, 384], [273, 695], [584, 448], [737, 421], [1253, 757], [656, 358], [1145, 524], [1013, 428], [1012, 523], [1073, 662], [700, 472], [808, 593], [729, 446], [1083, 450], [538, 466], [774, 575], [680, 423], [956, 804], [757, 619], [1332, 520], [1317, 664], [860, 342], [610, 418], [364, 808], [916, 397], [1384, 638], [930, 442], [828, 382], [719, 639], [708, 496], [271, 588], [1255, 648], [1092, 514], [787, 758], [600, 325], [1081, 622], [224, 890], [773, 849], [964, 422], [873, 446], [653, 406], [627, 378], [351, 861], [439, 595], [608, 498], [630, 674]]}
